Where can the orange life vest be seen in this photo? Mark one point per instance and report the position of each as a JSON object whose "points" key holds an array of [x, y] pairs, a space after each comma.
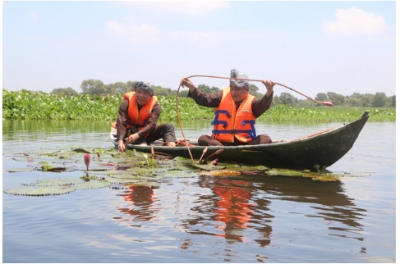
{"points": [[135, 117], [229, 123]]}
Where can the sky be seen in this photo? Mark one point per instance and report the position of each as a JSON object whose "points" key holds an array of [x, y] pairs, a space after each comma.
{"points": [[344, 47]]}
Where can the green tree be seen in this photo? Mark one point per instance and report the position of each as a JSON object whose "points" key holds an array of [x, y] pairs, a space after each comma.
{"points": [[64, 91], [93, 87], [204, 88], [321, 97], [215, 89], [122, 88], [354, 100], [337, 99], [367, 100], [393, 101], [254, 91], [159, 91], [379, 100], [287, 98], [276, 101]]}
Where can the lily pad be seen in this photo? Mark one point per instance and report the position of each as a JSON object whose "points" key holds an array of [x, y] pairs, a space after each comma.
{"points": [[56, 182], [208, 166], [179, 174], [132, 182], [42, 191], [134, 176], [93, 184], [21, 170]]}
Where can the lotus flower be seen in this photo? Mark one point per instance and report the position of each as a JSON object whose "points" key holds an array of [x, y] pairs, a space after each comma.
{"points": [[87, 161]]}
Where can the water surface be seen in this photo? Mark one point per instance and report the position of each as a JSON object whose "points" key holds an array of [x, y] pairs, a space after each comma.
{"points": [[203, 219]]}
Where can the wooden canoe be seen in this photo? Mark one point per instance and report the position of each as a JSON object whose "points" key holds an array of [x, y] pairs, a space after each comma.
{"points": [[323, 148]]}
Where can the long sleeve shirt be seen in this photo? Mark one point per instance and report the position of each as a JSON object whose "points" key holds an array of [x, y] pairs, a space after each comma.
{"points": [[123, 117], [258, 106]]}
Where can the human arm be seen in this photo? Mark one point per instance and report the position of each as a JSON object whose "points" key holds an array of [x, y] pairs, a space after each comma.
{"points": [[208, 100], [260, 106], [121, 128]]}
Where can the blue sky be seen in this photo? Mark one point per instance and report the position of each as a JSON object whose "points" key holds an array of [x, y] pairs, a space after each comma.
{"points": [[341, 47]]}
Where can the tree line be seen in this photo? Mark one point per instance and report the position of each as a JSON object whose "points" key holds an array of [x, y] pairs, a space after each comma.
{"points": [[97, 87]]}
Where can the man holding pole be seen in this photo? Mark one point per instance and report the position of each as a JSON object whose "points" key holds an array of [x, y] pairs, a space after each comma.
{"points": [[235, 112]]}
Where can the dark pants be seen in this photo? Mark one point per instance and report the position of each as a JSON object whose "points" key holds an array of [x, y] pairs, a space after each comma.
{"points": [[165, 131], [206, 140]]}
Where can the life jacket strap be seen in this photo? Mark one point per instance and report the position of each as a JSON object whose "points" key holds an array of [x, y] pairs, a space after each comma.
{"points": [[219, 122], [252, 133]]}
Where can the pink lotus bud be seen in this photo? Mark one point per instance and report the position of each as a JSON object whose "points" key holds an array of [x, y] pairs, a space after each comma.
{"points": [[87, 161]]}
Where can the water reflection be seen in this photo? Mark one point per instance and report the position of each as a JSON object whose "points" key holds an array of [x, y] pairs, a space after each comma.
{"points": [[238, 206], [142, 199]]}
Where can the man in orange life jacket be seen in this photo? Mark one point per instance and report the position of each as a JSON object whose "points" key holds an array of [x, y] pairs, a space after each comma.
{"points": [[137, 118], [235, 112]]}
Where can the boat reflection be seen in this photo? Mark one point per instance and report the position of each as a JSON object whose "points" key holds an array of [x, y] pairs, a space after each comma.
{"points": [[252, 203], [239, 209]]}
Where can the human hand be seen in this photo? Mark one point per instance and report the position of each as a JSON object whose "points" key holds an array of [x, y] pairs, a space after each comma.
{"points": [[121, 146], [132, 138], [269, 84], [185, 82]]}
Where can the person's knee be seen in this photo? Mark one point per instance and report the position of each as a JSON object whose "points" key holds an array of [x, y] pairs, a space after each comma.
{"points": [[265, 139], [170, 127], [202, 141]]}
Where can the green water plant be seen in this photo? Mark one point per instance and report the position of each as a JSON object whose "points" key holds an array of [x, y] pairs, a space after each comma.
{"points": [[135, 169], [29, 105]]}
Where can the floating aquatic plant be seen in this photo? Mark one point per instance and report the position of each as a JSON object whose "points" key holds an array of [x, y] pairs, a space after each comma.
{"points": [[21, 170], [42, 191], [133, 168]]}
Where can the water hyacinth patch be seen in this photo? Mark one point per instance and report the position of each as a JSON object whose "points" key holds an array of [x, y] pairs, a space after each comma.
{"points": [[29, 105]]}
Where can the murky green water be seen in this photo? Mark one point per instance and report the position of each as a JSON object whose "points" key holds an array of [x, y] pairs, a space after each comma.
{"points": [[203, 219]]}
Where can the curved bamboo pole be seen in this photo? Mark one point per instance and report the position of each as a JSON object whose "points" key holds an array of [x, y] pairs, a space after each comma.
{"points": [[180, 124], [329, 103]]}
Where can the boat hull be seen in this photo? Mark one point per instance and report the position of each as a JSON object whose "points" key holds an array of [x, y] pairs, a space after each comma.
{"points": [[320, 149]]}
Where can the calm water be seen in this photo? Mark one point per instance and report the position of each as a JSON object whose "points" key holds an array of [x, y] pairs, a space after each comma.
{"points": [[204, 219]]}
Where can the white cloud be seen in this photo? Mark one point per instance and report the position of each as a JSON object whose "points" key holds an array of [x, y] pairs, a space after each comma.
{"points": [[186, 7], [34, 16], [138, 35], [355, 22]]}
